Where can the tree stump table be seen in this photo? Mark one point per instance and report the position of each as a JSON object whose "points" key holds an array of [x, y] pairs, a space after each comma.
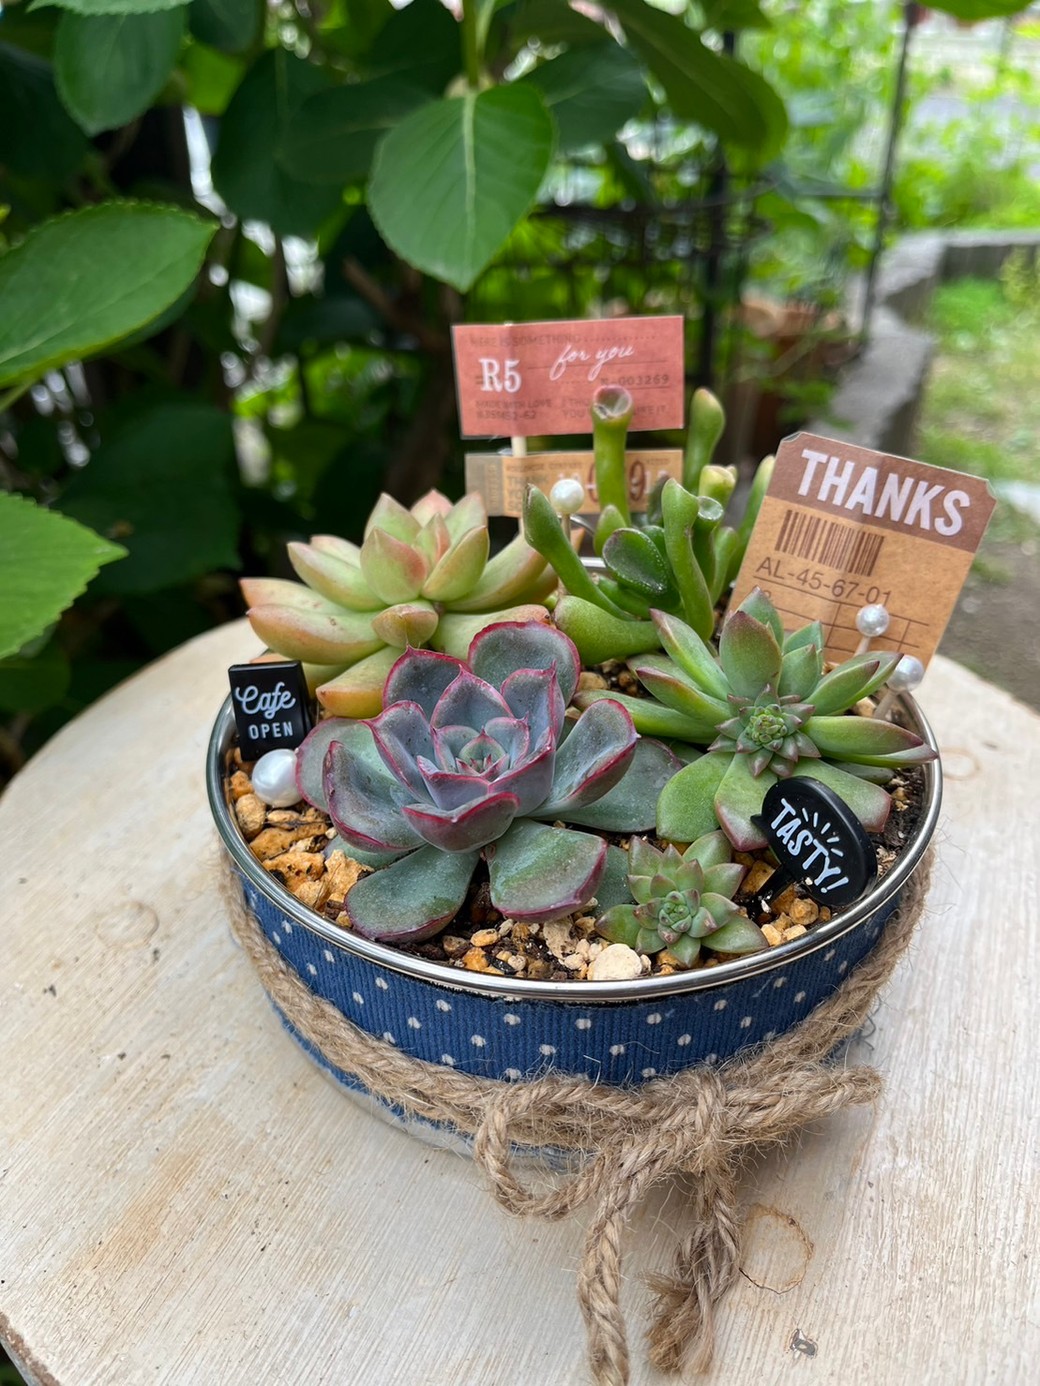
{"points": [[185, 1199]]}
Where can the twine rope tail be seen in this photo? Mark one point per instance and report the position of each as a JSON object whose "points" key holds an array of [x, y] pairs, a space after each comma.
{"points": [[706, 1265]]}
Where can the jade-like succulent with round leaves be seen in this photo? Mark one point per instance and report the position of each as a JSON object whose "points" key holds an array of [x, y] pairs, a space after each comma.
{"points": [[765, 709], [422, 577], [476, 759], [682, 902]]}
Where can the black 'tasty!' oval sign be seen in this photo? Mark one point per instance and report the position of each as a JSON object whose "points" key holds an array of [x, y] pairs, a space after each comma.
{"points": [[818, 840]]}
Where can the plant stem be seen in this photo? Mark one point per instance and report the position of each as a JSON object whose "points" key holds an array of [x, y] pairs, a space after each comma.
{"points": [[471, 44]]}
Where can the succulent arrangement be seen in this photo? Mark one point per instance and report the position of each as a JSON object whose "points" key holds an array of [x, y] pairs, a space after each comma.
{"points": [[682, 902], [422, 577], [765, 709], [476, 759], [462, 751], [680, 560]]}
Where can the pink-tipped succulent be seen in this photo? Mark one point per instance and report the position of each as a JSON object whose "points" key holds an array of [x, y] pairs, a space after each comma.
{"points": [[422, 577], [476, 760], [682, 902], [765, 709]]}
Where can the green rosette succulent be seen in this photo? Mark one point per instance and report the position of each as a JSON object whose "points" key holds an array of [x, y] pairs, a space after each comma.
{"points": [[476, 760], [422, 577], [680, 559], [683, 902], [765, 709]]}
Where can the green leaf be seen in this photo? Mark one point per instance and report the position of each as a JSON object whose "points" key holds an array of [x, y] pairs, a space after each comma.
{"points": [[421, 44], [550, 22], [46, 561], [591, 92], [734, 14], [111, 6], [333, 136], [701, 85], [37, 137], [83, 280], [538, 872], [32, 683], [164, 485], [451, 182], [244, 170], [230, 25], [109, 68]]}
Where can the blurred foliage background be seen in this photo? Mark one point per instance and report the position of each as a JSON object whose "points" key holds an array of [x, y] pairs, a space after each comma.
{"points": [[235, 234]]}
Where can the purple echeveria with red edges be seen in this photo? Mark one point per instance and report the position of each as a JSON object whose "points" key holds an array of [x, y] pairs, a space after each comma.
{"points": [[474, 759]]}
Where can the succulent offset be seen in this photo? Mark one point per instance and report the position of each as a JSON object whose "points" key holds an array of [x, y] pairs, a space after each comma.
{"points": [[472, 760], [681, 559], [682, 902], [765, 709], [421, 577]]}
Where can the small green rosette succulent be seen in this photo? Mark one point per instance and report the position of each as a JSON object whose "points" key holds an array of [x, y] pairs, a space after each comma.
{"points": [[476, 760], [682, 902], [765, 709], [422, 577]]}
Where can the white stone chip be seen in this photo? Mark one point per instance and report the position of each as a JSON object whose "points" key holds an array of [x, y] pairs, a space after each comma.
{"points": [[618, 963]]}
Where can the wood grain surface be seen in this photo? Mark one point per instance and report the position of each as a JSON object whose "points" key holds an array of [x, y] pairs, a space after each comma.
{"points": [[185, 1199]]}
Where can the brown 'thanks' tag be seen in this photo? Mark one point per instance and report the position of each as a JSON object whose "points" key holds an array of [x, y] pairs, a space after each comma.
{"points": [[843, 527], [520, 379], [502, 479]]}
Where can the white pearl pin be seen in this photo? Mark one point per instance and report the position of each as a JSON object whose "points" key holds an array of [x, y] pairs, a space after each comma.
{"points": [[274, 778]]}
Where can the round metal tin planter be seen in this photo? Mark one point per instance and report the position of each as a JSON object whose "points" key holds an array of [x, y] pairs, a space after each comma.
{"points": [[508, 1028]]}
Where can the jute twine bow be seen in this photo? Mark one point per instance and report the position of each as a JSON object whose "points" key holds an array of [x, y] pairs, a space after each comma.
{"points": [[702, 1123]]}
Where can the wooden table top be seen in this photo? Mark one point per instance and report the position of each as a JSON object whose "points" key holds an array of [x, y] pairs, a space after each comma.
{"points": [[185, 1199]]}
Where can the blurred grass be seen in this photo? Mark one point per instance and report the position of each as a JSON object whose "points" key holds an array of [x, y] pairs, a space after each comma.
{"points": [[981, 413]]}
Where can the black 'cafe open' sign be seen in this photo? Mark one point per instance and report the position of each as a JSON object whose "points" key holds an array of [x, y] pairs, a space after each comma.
{"points": [[818, 840], [271, 705]]}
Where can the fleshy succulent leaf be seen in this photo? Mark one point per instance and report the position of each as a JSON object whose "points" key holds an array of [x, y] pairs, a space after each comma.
{"points": [[599, 635], [393, 519], [413, 898], [858, 677], [516, 573], [758, 605], [431, 506], [710, 849], [740, 935], [358, 691], [749, 654], [592, 759], [456, 631], [737, 799], [401, 734], [406, 624], [869, 802], [364, 800], [466, 514], [664, 679], [458, 570], [800, 672], [631, 806], [333, 577], [502, 648], [685, 810], [634, 559], [534, 694], [866, 739], [463, 829], [421, 676], [393, 569], [539, 872], [649, 718], [692, 655], [469, 701], [314, 635]]}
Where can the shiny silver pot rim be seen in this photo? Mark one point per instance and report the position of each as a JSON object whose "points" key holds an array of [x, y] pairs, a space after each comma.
{"points": [[579, 993]]}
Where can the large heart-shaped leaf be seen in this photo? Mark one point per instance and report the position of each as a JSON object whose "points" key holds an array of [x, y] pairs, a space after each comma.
{"points": [[46, 561], [164, 483], [591, 92], [701, 85], [333, 136], [244, 170], [37, 136], [110, 67], [451, 181], [86, 279], [420, 43]]}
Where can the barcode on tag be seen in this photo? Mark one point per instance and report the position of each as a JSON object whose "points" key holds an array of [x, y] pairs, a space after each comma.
{"points": [[829, 543]]}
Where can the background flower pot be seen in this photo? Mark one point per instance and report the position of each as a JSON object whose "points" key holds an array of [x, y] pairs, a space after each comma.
{"points": [[507, 1028]]}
